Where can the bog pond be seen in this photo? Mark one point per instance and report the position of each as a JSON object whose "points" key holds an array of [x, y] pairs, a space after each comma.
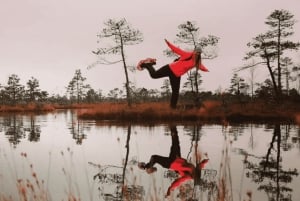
{"points": [[56, 156]]}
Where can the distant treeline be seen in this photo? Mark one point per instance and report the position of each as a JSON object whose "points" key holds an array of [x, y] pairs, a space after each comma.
{"points": [[78, 92]]}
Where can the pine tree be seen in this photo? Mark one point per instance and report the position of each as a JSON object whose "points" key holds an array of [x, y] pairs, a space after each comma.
{"points": [[121, 34], [270, 46]]}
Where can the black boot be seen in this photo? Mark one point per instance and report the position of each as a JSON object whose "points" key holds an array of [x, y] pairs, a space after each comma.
{"points": [[146, 62], [147, 65]]}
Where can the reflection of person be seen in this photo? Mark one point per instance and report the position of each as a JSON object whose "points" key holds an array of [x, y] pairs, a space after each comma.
{"points": [[186, 61], [174, 162]]}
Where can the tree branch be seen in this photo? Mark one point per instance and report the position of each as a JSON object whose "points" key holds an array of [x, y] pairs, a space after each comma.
{"points": [[102, 61], [250, 66]]}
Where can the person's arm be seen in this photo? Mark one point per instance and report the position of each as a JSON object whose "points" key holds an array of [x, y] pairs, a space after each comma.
{"points": [[175, 49], [203, 68], [203, 163], [176, 183]]}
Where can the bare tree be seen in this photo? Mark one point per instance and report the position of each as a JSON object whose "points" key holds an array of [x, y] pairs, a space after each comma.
{"points": [[251, 79], [286, 64], [271, 45], [121, 34], [281, 23]]}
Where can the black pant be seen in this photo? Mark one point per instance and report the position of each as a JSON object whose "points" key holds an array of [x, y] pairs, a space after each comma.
{"points": [[174, 152], [165, 71]]}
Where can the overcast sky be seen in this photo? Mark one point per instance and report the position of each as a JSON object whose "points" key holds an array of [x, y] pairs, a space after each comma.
{"points": [[50, 39]]}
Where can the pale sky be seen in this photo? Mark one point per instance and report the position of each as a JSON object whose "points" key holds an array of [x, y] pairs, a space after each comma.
{"points": [[50, 39]]}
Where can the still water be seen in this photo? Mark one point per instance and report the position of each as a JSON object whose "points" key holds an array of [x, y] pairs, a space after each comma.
{"points": [[55, 156]]}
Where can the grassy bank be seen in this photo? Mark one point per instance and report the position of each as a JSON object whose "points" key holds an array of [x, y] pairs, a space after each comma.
{"points": [[31, 107], [211, 111], [41, 107]]}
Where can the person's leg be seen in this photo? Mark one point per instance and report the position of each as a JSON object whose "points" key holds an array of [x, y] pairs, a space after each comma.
{"points": [[164, 71], [175, 85], [175, 147], [162, 160]]}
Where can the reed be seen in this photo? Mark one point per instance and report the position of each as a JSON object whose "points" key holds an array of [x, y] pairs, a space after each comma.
{"points": [[210, 111], [141, 112], [30, 187], [30, 107]]}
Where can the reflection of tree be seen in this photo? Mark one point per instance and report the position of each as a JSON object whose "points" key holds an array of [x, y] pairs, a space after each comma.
{"points": [[13, 127], [236, 131], [225, 179], [204, 180], [77, 129], [269, 172], [285, 144], [111, 176], [34, 130], [296, 138]]}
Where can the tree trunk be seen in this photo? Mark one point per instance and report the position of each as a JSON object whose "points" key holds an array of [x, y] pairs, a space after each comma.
{"points": [[128, 95], [272, 75], [278, 60]]}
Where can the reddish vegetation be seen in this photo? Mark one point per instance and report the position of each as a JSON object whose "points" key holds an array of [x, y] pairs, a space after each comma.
{"points": [[38, 107], [31, 107], [211, 111], [298, 118]]}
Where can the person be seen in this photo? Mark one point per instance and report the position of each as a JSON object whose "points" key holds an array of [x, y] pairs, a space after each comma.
{"points": [[186, 61], [174, 162]]}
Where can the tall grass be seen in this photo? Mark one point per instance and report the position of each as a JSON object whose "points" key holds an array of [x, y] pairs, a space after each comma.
{"points": [[210, 111], [146, 112], [31, 107], [225, 189], [298, 118], [30, 187]]}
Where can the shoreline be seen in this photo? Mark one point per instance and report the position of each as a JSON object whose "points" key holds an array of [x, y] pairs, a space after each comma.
{"points": [[210, 112]]}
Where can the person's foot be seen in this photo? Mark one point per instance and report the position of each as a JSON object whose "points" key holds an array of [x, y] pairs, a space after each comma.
{"points": [[151, 170], [142, 165], [145, 65], [146, 62]]}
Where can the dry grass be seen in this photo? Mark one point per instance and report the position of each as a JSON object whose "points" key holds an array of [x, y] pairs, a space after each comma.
{"points": [[31, 107], [211, 111], [74, 106], [144, 112], [32, 187], [298, 118], [262, 112]]}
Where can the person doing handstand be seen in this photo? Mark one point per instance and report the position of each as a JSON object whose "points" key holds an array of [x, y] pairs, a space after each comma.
{"points": [[175, 162], [186, 61]]}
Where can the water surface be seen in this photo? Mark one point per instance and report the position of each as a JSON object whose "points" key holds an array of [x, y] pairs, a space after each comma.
{"points": [[56, 156]]}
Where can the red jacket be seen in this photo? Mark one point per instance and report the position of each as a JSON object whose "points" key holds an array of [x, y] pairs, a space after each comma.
{"points": [[185, 170], [185, 62]]}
